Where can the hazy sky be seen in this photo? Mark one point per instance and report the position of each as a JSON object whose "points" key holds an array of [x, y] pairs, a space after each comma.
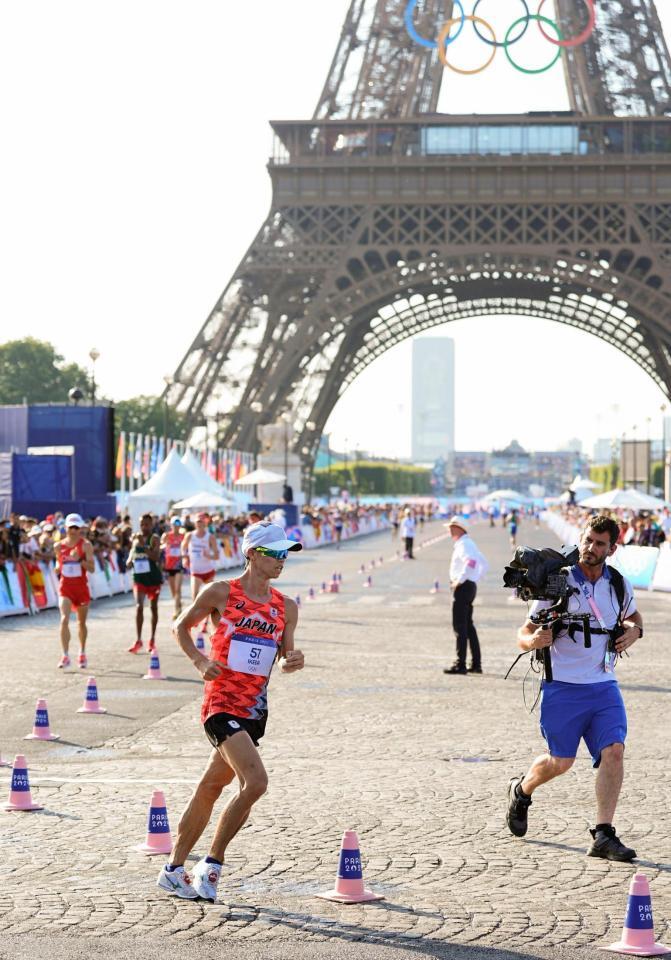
{"points": [[135, 142]]}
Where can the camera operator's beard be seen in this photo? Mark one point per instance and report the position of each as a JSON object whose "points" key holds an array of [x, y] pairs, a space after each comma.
{"points": [[590, 560]]}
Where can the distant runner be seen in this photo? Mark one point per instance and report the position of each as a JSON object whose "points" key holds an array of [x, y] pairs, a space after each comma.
{"points": [[145, 555], [74, 560], [256, 625], [171, 543]]}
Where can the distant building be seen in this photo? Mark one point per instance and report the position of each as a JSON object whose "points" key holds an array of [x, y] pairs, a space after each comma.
{"points": [[517, 468], [432, 399]]}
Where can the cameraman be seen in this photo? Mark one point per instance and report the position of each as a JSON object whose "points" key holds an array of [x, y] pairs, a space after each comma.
{"points": [[584, 700]]}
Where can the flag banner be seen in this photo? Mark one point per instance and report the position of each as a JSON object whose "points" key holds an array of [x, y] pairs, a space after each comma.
{"points": [[137, 463], [120, 456], [154, 456]]}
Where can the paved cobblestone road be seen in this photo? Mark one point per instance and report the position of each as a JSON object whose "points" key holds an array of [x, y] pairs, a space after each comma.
{"points": [[370, 736]]}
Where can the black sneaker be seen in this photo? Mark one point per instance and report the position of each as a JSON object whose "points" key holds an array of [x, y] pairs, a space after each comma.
{"points": [[456, 668], [474, 669], [608, 846], [518, 809]]}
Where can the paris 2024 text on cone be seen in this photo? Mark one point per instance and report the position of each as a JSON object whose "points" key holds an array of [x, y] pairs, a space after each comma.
{"points": [[91, 702], [19, 792], [41, 729], [158, 830], [349, 886], [638, 932]]}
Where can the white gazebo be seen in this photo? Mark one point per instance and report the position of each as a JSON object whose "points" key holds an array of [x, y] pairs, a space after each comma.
{"points": [[172, 481]]}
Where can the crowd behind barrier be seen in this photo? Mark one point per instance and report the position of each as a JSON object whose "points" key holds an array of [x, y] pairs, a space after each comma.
{"points": [[29, 581], [646, 567]]}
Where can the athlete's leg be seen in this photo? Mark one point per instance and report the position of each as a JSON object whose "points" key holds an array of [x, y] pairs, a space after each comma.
{"points": [[544, 769], [65, 607], [609, 777], [195, 586], [460, 608], [239, 753], [197, 813], [82, 614], [153, 603], [176, 583], [139, 614]]}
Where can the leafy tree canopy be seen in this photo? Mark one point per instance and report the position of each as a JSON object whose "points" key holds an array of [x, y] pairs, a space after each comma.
{"points": [[33, 371]]}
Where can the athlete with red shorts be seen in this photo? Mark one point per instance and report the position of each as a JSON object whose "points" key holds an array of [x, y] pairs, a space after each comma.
{"points": [[74, 560], [145, 555], [255, 628], [173, 566], [200, 553]]}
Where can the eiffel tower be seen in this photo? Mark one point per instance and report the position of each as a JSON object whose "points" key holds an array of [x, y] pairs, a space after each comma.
{"points": [[388, 218]]}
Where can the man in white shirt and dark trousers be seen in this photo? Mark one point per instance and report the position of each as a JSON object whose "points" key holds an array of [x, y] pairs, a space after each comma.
{"points": [[408, 527], [467, 567]]}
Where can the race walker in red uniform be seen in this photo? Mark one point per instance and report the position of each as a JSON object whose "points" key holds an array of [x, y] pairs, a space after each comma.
{"points": [[74, 560], [255, 629], [173, 567]]}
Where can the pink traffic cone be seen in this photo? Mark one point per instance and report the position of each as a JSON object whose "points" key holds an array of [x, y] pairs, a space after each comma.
{"points": [[91, 702], [435, 588], [154, 672], [200, 642], [158, 830], [372, 564], [19, 792], [368, 582], [340, 578], [334, 587], [311, 593], [349, 886], [41, 729], [362, 569], [638, 932], [298, 601], [381, 560]]}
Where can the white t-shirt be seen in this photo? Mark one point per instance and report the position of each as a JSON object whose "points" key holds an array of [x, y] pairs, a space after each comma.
{"points": [[408, 527], [572, 662]]}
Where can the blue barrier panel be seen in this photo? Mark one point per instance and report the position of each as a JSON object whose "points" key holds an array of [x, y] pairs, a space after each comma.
{"points": [[637, 564]]}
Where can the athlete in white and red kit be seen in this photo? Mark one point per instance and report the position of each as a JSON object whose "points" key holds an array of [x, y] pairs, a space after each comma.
{"points": [[74, 561], [200, 554], [255, 628]]}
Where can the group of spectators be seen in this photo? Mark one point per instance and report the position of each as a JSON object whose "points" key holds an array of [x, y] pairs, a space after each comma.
{"points": [[637, 528], [26, 538]]}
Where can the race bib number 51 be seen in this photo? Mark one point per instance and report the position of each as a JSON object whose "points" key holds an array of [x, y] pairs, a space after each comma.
{"points": [[254, 655]]}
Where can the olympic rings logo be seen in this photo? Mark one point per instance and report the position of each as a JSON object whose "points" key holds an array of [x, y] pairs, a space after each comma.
{"points": [[514, 33]]}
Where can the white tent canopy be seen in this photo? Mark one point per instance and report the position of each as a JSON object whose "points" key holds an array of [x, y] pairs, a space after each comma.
{"points": [[259, 477], [205, 481], [203, 500], [172, 481], [505, 495], [633, 499], [582, 483]]}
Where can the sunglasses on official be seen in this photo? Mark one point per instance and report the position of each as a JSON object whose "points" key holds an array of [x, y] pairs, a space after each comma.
{"points": [[274, 554]]}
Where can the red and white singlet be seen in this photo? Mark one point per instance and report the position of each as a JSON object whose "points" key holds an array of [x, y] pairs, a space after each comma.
{"points": [[73, 580], [248, 638]]}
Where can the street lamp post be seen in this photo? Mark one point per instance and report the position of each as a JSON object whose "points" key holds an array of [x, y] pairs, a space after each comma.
{"points": [[168, 380], [93, 355], [662, 410]]}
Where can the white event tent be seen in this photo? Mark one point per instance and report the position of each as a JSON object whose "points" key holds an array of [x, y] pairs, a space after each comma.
{"points": [[172, 481], [205, 481]]}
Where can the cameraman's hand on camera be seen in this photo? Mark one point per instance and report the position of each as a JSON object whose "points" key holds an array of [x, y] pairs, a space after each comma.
{"points": [[541, 637], [631, 634]]}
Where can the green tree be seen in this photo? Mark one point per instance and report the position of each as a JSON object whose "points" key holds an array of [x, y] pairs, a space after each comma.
{"points": [[33, 371], [144, 414]]}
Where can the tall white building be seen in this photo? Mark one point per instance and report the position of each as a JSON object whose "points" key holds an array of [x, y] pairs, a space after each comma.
{"points": [[432, 399]]}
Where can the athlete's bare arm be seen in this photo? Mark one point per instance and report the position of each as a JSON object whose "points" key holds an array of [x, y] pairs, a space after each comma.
{"points": [[185, 548], [290, 659], [213, 547], [212, 597]]}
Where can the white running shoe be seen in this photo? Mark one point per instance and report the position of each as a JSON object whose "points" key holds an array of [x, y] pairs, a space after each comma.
{"points": [[178, 882], [64, 662], [205, 880]]}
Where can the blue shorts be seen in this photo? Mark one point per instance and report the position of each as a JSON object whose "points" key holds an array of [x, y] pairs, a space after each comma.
{"points": [[591, 711]]}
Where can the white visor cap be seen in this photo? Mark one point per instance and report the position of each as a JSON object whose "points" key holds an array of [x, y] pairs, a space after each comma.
{"points": [[265, 534], [74, 520]]}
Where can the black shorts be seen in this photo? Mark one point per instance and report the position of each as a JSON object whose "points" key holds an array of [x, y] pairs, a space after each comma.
{"points": [[221, 726], [171, 573]]}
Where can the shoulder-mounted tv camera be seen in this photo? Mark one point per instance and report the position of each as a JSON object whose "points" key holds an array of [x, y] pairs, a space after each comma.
{"points": [[543, 575]]}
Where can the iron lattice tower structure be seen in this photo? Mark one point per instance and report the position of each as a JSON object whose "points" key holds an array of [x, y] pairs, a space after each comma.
{"points": [[564, 216]]}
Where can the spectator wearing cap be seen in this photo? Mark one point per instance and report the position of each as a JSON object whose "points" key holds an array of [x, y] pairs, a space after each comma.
{"points": [[467, 567]]}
